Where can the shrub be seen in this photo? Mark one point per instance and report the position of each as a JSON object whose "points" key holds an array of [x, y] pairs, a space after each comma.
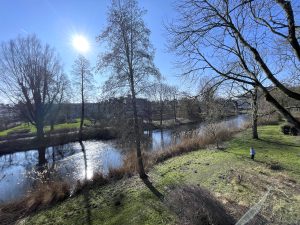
{"points": [[289, 129], [286, 129], [294, 131], [275, 166]]}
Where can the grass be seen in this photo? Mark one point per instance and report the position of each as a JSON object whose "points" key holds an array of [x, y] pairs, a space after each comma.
{"points": [[273, 147], [47, 128], [235, 180]]}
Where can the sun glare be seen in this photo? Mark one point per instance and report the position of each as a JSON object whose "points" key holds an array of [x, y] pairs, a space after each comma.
{"points": [[80, 43]]}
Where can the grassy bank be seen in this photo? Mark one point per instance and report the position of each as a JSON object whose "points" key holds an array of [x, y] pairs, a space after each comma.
{"points": [[234, 180], [23, 144], [32, 130]]}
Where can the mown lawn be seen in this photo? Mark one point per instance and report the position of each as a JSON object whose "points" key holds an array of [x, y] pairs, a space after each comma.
{"points": [[47, 128], [235, 180]]}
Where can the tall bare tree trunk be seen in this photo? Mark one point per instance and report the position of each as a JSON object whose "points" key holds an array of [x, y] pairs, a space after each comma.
{"points": [[174, 110], [39, 123], [82, 107], [137, 131], [161, 115], [40, 132], [254, 114]]}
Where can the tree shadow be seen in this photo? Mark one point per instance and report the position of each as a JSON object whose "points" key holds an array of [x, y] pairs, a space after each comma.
{"points": [[153, 189], [278, 143], [195, 205], [86, 193]]}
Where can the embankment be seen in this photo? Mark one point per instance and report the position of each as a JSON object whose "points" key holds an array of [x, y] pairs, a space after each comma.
{"points": [[27, 143]]}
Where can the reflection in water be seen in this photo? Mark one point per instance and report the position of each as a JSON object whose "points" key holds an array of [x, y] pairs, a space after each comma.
{"points": [[87, 176], [162, 143], [20, 171], [160, 139], [42, 156]]}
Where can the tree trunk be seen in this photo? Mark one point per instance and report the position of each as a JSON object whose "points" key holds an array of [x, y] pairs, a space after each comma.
{"points": [[40, 131], [82, 109], [161, 115], [42, 156], [137, 131], [85, 159], [254, 114], [162, 139], [52, 125], [285, 113], [174, 110]]}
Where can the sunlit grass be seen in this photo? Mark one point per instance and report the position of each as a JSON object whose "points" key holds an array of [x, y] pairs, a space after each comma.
{"points": [[272, 147], [32, 128]]}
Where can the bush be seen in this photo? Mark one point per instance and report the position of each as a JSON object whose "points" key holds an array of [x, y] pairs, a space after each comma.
{"points": [[275, 166], [294, 131], [286, 129], [289, 129]]}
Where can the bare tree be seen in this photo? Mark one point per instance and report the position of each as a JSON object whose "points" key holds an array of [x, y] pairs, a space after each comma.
{"points": [[160, 93], [227, 37], [56, 108], [130, 57], [174, 95], [213, 116], [31, 75], [281, 20], [240, 90], [83, 81]]}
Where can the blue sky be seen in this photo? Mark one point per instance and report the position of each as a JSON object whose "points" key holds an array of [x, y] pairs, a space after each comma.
{"points": [[56, 21]]}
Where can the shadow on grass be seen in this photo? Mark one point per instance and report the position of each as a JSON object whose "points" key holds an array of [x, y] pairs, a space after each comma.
{"points": [[195, 205], [86, 197], [153, 189], [278, 143]]}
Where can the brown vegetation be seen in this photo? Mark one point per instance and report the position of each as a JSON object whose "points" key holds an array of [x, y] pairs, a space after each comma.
{"points": [[195, 205], [44, 195]]}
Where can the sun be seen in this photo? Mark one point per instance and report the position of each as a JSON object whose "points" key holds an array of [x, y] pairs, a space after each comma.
{"points": [[80, 43]]}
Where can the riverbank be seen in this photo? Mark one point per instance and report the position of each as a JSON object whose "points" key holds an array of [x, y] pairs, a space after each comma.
{"points": [[29, 130], [235, 181], [169, 124], [54, 139]]}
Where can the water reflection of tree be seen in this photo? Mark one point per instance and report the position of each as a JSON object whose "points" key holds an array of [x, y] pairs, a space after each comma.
{"points": [[84, 159], [86, 194], [162, 143]]}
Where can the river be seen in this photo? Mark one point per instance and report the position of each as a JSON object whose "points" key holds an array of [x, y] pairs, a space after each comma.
{"points": [[20, 171]]}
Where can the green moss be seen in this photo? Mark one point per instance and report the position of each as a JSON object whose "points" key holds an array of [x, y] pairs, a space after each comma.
{"points": [[230, 175]]}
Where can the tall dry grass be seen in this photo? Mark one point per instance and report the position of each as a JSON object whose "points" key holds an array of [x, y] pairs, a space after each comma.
{"points": [[44, 195]]}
